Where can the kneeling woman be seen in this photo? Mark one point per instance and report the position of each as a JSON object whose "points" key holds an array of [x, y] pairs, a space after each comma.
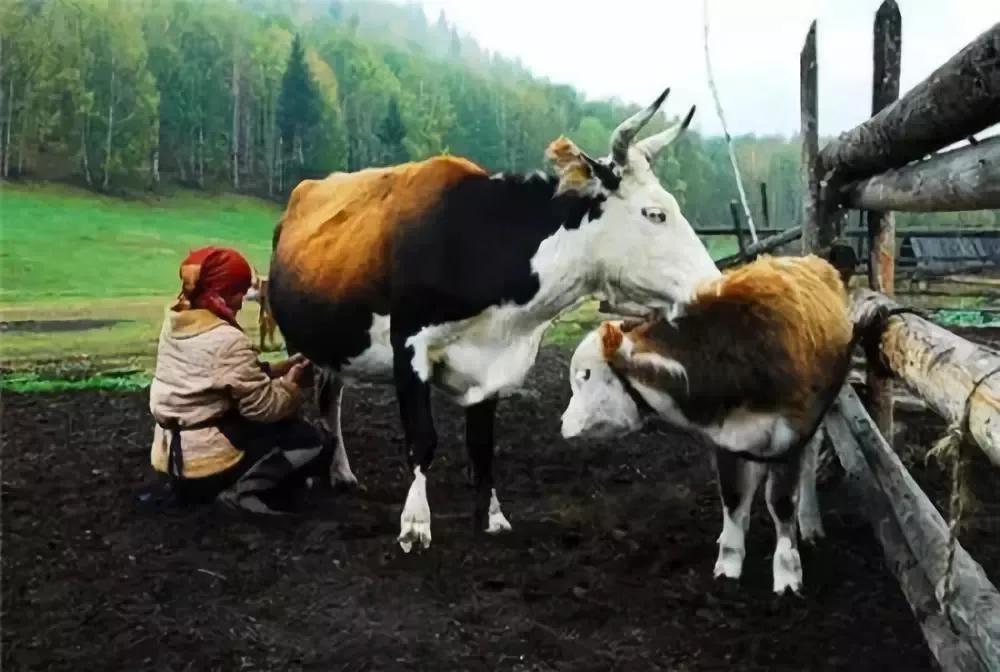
{"points": [[227, 424]]}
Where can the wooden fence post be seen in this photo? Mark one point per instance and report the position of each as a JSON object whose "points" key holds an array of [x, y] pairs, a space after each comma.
{"points": [[881, 225], [812, 214], [734, 210], [763, 205]]}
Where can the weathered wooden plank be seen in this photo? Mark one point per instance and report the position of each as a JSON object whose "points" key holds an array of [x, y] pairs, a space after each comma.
{"points": [[940, 367], [966, 178], [951, 652], [881, 225], [959, 99], [974, 603]]}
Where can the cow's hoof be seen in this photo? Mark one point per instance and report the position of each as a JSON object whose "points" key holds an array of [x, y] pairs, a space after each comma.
{"points": [[415, 521], [344, 480], [787, 568], [730, 563], [498, 523]]}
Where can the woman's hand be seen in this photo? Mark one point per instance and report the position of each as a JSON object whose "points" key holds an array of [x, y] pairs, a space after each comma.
{"points": [[301, 373], [279, 369]]}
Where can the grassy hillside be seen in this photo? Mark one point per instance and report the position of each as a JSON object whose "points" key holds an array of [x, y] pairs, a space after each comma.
{"points": [[61, 244]]}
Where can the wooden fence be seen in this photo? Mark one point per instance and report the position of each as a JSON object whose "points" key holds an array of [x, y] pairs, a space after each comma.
{"points": [[879, 166]]}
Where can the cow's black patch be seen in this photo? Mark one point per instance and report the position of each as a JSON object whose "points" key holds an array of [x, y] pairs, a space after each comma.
{"points": [[474, 249]]}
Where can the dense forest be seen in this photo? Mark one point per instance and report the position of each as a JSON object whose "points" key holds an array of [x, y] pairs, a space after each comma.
{"points": [[254, 95]]}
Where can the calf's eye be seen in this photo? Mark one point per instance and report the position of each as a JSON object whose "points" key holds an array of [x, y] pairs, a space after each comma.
{"points": [[583, 375], [654, 215]]}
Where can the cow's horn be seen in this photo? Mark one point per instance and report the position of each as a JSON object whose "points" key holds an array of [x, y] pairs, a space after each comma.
{"points": [[654, 144], [628, 129]]}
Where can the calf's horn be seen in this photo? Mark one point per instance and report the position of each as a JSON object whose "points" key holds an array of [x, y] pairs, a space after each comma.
{"points": [[628, 129]]}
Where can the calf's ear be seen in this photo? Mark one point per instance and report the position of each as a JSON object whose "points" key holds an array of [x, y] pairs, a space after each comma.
{"points": [[611, 339]]}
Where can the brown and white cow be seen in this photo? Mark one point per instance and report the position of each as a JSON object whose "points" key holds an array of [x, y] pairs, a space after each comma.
{"points": [[438, 273], [752, 365]]}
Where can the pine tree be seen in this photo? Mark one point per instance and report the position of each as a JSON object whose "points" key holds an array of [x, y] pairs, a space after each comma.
{"points": [[391, 132], [299, 104]]}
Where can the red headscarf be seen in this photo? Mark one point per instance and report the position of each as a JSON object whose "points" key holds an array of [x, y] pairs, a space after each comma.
{"points": [[210, 278]]}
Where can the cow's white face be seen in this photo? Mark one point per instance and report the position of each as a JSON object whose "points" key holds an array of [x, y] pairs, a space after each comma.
{"points": [[649, 252], [641, 250], [600, 407]]}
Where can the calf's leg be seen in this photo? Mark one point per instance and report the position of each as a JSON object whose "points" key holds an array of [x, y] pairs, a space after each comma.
{"points": [[738, 483], [480, 420], [782, 492], [414, 397]]}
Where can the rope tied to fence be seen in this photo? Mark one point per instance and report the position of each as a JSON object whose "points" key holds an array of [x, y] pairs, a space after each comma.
{"points": [[952, 450]]}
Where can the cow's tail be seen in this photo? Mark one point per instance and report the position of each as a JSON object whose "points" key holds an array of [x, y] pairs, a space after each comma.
{"points": [[869, 319]]}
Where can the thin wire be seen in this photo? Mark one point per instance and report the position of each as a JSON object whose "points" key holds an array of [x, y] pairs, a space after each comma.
{"points": [[729, 140]]}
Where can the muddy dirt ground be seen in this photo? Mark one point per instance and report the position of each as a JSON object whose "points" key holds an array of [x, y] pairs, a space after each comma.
{"points": [[609, 566]]}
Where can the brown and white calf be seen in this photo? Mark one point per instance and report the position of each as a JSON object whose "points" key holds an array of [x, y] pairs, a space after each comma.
{"points": [[752, 364], [266, 325]]}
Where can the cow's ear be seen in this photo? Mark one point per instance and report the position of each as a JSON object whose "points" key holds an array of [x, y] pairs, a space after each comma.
{"points": [[572, 165]]}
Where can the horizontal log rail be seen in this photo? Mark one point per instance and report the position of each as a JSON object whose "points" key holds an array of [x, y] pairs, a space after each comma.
{"points": [[959, 379], [967, 178], [862, 233], [721, 231], [957, 100], [763, 245]]}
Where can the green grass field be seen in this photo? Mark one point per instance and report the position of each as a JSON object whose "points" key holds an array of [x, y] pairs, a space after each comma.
{"points": [[62, 245]]}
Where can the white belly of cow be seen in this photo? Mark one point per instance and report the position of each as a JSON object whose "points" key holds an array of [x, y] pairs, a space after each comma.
{"points": [[470, 361], [478, 358]]}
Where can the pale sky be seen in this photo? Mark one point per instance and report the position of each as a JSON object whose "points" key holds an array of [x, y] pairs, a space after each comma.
{"points": [[632, 49]]}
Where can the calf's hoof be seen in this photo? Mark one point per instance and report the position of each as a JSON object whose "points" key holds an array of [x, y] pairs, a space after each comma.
{"points": [[811, 531], [787, 568], [414, 532]]}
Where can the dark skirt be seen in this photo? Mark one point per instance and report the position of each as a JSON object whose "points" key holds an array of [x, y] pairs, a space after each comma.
{"points": [[277, 458]]}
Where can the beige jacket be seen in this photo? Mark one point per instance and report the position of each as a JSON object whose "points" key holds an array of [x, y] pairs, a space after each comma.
{"points": [[205, 367]]}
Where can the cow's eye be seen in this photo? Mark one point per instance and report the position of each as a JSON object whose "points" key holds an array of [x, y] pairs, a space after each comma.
{"points": [[654, 215], [583, 375]]}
